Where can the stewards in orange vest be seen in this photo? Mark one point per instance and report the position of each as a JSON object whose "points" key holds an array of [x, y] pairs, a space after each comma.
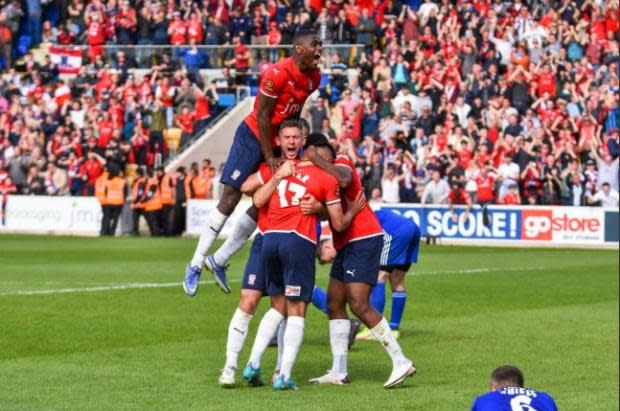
{"points": [[115, 199], [199, 183], [167, 190], [100, 193], [152, 204], [138, 190]]}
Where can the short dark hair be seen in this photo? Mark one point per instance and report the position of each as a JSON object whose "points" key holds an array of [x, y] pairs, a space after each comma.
{"points": [[507, 376], [301, 35], [291, 122], [319, 140]]}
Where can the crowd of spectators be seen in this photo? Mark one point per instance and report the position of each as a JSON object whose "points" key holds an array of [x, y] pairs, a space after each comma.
{"points": [[511, 101]]}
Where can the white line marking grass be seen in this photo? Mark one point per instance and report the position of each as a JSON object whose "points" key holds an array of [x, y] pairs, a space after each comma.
{"points": [[134, 286]]}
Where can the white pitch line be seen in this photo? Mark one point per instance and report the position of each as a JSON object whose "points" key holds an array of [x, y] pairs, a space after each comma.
{"points": [[134, 286]]}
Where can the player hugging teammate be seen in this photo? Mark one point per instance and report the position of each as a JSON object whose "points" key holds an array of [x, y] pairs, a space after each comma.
{"points": [[281, 263]]}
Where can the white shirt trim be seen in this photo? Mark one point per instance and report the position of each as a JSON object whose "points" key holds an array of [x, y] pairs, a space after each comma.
{"points": [[267, 94]]}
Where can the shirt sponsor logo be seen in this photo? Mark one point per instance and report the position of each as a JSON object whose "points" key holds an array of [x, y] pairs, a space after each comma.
{"points": [[292, 291]]}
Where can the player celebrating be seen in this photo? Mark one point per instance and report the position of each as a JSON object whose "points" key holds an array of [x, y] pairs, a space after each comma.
{"points": [[254, 283], [283, 90], [353, 274], [289, 246], [507, 393], [402, 240]]}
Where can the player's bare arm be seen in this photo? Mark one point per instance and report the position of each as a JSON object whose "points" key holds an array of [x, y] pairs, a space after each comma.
{"points": [[340, 221], [341, 173], [250, 185], [264, 193], [266, 107]]}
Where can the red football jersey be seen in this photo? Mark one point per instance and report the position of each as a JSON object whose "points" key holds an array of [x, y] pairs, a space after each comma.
{"points": [[365, 223], [264, 174], [486, 187], [291, 87], [284, 214], [460, 197]]}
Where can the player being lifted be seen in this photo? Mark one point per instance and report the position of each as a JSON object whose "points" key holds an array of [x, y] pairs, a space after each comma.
{"points": [[283, 90], [289, 246], [254, 284], [352, 277]]}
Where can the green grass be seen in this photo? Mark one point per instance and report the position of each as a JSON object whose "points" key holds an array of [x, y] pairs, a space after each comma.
{"points": [[553, 312]]}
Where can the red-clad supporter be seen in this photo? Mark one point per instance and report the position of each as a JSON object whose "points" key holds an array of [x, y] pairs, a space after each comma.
{"points": [[177, 30]]}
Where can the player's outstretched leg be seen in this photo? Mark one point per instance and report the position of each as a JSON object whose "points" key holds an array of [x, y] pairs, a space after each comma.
{"points": [[215, 221], [217, 263], [358, 296]]}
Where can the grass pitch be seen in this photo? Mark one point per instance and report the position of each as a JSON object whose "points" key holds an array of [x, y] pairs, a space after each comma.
{"points": [[73, 336]]}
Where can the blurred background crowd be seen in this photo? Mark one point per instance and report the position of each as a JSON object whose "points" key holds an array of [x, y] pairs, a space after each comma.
{"points": [[508, 102]]}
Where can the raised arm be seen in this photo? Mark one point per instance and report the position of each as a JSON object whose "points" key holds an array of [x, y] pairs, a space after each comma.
{"points": [[342, 173], [264, 193]]}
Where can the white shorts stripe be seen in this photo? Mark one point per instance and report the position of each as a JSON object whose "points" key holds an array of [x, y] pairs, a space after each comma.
{"points": [[387, 241]]}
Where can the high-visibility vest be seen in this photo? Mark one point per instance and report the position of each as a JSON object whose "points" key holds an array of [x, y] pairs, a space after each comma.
{"points": [[100, 185], [167, 194], [137, 192], [200, 186], [115, 191], [153, 203]]}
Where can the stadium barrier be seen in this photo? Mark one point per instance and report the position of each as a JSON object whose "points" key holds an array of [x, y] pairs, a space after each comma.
{"points": [[51, 215], [532, 226]]}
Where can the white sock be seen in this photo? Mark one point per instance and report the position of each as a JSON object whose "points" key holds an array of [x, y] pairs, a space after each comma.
{"points": [[339, 341], [215, 222], [293, 337], [266, 330], [383, 334], [243, 229], [281, 331], [237, 331]]}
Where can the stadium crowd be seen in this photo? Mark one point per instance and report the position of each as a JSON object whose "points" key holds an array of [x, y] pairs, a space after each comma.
{"points": [[511, 102]]}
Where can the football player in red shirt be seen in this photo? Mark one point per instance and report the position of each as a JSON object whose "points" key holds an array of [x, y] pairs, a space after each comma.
{"points": [[354, 273], [254, 284], [283, 90]]}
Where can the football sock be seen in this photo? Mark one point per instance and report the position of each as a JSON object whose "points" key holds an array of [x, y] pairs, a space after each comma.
{"points": [[377, 297], [243, 229], [383, 334], [266, 330], [319, 299], [215, 222], [399, 299], [281, 331], [237, 331], [293, 337], [339, 341]]}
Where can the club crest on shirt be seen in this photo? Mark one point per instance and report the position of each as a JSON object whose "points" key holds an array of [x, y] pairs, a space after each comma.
{"points": [[269, 85], [252, 279]]}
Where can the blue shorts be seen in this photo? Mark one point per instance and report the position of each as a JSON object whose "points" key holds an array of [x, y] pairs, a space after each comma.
{"points": [[401, 246], [358, 261], [243, 159], [254, 276], [288, 261]]}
